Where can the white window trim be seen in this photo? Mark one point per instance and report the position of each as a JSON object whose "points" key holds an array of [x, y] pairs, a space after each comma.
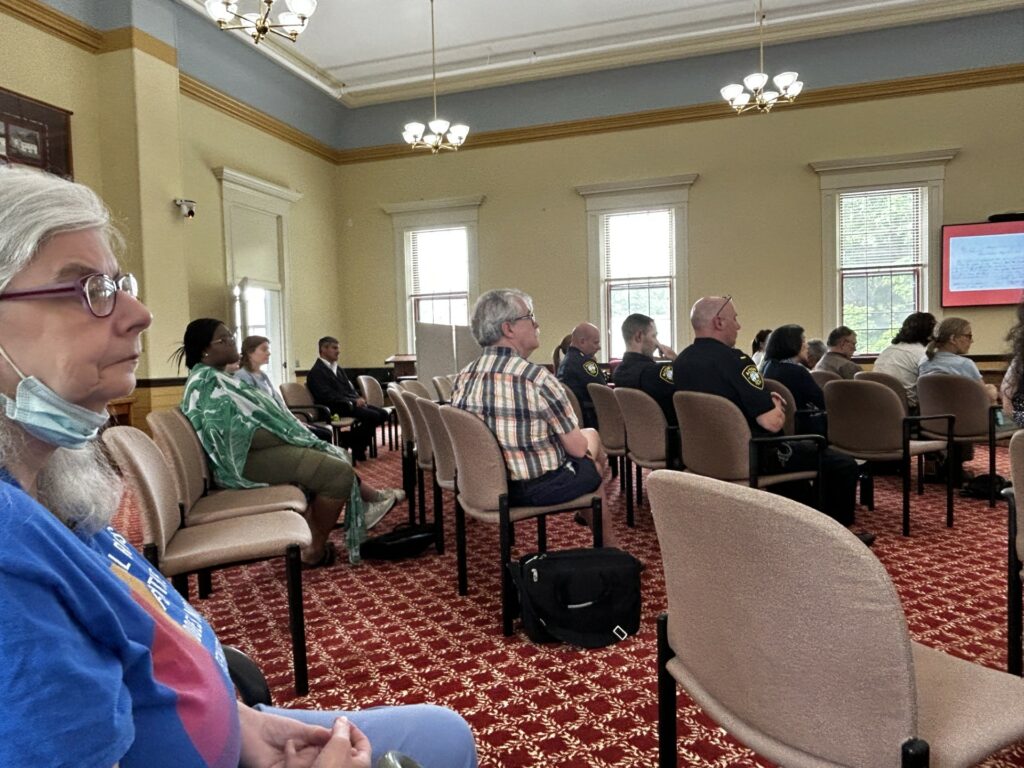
{"points": [[927, 169], [427, 214], [622, 196]]}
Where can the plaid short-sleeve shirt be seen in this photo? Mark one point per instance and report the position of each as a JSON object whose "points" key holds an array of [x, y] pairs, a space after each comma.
{"points": [[523, 404]]}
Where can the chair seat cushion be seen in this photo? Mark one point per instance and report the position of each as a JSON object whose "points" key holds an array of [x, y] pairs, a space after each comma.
{"points": [[522, 513], [917, 447], [648, 463], [1001, 434], [230, 502]]}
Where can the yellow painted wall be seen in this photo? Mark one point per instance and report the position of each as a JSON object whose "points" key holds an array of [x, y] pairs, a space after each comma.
{"points": [[754, 213]]}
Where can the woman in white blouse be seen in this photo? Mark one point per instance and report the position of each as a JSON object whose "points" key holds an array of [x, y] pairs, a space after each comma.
{"points": [[902, 358]]}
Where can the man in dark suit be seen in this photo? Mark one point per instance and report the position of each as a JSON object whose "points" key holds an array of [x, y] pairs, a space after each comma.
{"points": [[330, 386]]}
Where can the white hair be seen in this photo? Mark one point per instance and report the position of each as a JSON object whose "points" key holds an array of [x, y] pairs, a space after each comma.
{"points": [[495, 308], [35, 206]]}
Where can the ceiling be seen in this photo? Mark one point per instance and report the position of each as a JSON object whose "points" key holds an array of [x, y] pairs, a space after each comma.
{"points": [[374, 51]]}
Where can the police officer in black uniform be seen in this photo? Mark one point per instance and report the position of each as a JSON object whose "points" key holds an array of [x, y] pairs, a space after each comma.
{"points": [[714, 366], [639, 369], [579, 368]]}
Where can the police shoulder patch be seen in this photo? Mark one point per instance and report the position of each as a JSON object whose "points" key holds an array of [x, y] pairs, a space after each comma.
{"points": [[753, 377], [591, 367], [666, 373]]}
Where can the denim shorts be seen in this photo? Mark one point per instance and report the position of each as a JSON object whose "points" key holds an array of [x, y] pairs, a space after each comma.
{"points": [[570, 481]]}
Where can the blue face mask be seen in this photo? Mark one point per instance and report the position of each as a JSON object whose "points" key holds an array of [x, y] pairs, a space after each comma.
{"points": [[43, 413]]}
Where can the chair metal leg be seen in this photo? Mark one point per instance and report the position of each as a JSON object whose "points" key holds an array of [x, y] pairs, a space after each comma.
{"points": [[1014, 619], [992, 462], [906, 489], [421, 490], [949, 499], [180, 584], [639, 486], [297, 618], [542, 533], [915, 754], [507, 596], [460, 547], [438, 516], [409, 478], [204, 579], [597, 510], [615, 466], [666, 700], [867, 488], [920, 474], [628, 472]]}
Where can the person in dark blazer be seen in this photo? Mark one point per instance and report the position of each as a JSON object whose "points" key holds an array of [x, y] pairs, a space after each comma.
{"points": [[330, 387]]}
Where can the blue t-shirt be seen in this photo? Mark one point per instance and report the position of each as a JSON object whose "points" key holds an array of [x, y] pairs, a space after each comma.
{"points": [[949, 362], [101, 661]]}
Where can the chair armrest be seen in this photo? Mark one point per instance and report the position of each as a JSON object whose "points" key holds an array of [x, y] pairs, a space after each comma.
{"points": [[250, 682], [909, 422], [820, 444], [312, 412]]}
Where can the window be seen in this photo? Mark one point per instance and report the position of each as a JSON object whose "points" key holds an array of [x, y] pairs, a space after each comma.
{"points": [[436, 263], [881, 222], [637, 248]]}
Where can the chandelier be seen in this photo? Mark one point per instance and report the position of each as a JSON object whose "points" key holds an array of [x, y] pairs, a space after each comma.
{"points": [[258, 25], [443, 135], [752, 94]]}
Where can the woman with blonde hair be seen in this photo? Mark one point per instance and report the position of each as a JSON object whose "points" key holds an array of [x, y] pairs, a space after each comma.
{"points": [[947, 353]]}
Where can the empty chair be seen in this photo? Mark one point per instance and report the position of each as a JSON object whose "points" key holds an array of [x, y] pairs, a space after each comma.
{"points": [[444, 462], [575, 403], [611, 428], [647, 439], [890, 381], [199, 502], [372, 393], [408, 447], [482, 493], [1015, 554], [418, 388], [866, 420], [178, 551], [443, 386], [789, 633], [300, 402], [423, 452], [824, 377], [941, 393]]}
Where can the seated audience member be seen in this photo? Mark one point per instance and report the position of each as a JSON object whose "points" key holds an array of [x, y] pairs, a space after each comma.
{"points": [[256, 354], [579, 368], [1010, 390], [98, 647], [252, 442], [639, 369], [842, 343], [330, 386], [549, 458], [816, 350], [758, 345], [902, 358], [947, 353], [560, 350], [785, 359], [714, 366]]}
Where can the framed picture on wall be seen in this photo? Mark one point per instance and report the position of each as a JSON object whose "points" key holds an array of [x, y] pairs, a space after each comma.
{"points": [[34, 133]]}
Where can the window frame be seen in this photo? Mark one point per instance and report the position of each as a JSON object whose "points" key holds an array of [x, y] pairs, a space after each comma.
{"points": [[925, 170], [669, 192]]}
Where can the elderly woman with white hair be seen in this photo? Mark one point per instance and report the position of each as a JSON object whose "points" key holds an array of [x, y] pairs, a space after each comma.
{"points": [[101, 662]]}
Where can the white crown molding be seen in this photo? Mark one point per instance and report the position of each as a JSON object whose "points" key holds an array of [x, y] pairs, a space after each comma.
{"points": [[637, 185], [886, 162], [444, 203], [253, 184]]}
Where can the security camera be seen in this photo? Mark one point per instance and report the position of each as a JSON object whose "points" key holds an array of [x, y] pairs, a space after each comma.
{"points": [[187, 207]]}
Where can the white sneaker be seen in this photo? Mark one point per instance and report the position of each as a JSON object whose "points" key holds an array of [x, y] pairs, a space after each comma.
{"points": [[390, 493], [375, 511]]}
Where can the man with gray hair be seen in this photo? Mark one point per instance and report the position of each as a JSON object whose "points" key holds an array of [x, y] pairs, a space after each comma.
{"points": [[550, 460], [815, 351]]}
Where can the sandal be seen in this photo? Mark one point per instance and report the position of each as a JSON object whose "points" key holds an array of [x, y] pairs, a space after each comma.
{"points": [[326, 559]]}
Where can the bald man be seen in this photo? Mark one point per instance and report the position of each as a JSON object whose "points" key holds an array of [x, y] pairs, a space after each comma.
{"points": [[579, 368], [714, 366]]}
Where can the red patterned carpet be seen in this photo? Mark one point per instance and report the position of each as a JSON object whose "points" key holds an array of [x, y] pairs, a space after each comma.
{"points": [[391, 633]]}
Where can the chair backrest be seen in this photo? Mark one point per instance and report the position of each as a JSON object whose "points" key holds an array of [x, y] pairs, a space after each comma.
{"points": [[441, 443], [773, 385], [296, 395], [417, 388], [179, 443], [1017, 477], [574, 402], [443, 385], [786, 629], [145, 469], [424, 447], [480, 467], [824, 377], [645, 424], [964, 398], [715, 436], [864, 416], [404, 417], [370, 388], [890, 381], [609, 417]]}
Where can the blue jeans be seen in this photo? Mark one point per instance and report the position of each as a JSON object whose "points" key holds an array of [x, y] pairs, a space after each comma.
{"points": [[434, 736]]}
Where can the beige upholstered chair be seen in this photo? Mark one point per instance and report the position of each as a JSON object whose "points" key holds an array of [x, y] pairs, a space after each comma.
{"points": [[1015, 554], [416, 387], [423, 452], [939, 393], [648, 439], [178, 551], [788, 632], [199, 500], [372, 393], [611, 428], [575, 403], [407, 443], [772, 385], [717, 443], [300, 402], [890, 381], [443, 386], [482, 493], [866, 420], [824, 377], [444, 461]]}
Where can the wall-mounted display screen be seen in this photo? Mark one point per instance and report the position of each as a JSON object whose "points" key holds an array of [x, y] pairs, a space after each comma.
{"points": [[982, 264]]}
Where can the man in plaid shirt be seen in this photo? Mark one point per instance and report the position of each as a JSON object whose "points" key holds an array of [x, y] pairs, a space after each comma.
{"points": [[550, 459]]}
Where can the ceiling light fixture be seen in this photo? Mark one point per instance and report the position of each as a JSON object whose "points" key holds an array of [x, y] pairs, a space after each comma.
{"points": [[259, 25], [443, 135], [752, 94]]}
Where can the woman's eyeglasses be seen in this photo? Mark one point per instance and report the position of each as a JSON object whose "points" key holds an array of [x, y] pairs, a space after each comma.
{"points": [[98, 292]]}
